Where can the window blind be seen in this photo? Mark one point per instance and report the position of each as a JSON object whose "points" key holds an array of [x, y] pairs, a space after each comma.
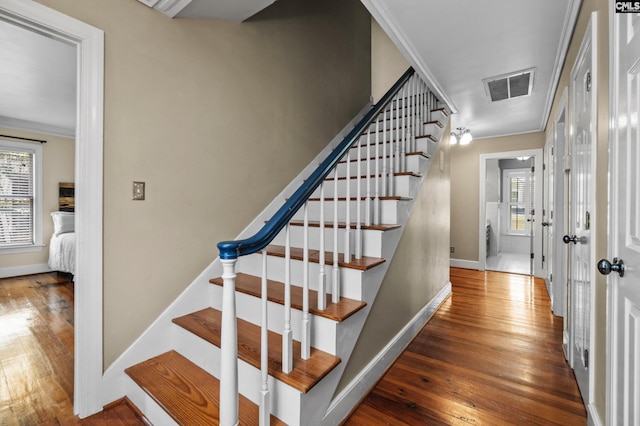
{"points": [[16, 197]]}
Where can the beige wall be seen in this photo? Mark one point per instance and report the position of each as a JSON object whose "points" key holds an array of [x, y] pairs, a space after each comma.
{"points": [[420, 266], [387, 63], [597, 359], [57, 166], [216, 118], [465, 189]]}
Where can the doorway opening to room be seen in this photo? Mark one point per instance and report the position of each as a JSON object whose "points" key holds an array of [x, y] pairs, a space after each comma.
{"points": [[510, 190]]}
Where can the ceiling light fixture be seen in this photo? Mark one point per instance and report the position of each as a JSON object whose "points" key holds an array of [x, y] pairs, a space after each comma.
{"points": [[463, 137]]}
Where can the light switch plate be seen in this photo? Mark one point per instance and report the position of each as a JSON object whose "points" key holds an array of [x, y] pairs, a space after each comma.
{"points": [[138, 190]]}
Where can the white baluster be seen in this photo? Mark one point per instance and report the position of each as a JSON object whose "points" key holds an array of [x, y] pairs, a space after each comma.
{"points": [[305, 344], [287, 339], [347, 229], [335, 273], [415, 114], [367, 217], [322, 278], [358, 254], [376, 198], [229, 347], [398, 134], [383, 183], [265, 397], [392, 144], [403, 144]]}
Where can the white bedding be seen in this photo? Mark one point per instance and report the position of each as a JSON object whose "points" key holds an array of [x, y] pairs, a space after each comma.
{"points": [[62, 253]]}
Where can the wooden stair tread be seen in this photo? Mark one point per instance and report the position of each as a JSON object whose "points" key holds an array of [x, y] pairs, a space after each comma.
{"points": [[413, 174], [329, 224], [394, 198], [186, 392], [363, 264], [436, 122], [207, 322], [252, 285]]}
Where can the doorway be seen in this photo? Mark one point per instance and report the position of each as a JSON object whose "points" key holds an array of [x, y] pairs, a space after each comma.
{"points": [[89, 42], [510, 235]]}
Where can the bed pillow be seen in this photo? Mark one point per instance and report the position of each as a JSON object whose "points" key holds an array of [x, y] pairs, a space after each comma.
{"points": [[63, 222]]}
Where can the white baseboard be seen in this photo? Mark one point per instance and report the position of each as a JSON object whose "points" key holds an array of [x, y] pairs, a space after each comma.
{"points": [[467, 264], [357, 389], [593, 418], [17, 271]]}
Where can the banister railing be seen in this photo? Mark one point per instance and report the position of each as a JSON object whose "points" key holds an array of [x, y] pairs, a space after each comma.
{"points": [[410, 99], [237, 248]]}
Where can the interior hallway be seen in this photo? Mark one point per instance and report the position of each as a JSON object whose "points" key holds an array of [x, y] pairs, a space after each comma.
{"points": [[492, 354]]}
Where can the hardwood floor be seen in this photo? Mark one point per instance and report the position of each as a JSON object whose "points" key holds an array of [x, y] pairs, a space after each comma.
{"points": [[36, 355], [492, 354]]}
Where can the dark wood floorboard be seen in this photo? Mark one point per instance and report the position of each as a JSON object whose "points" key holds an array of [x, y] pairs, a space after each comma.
{"points": [[491, 355], [36, 355]]}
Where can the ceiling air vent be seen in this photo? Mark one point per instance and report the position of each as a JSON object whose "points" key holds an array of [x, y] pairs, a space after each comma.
{"points": [[507, 86]]}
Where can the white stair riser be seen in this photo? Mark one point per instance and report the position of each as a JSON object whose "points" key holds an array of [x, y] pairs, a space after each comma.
{"points": [[351, 279], [389, 211], [249, 308], [403, 187], [371, 240], [434, 129], [410, 165]]}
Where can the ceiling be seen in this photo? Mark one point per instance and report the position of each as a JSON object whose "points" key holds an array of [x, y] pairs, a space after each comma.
{"points": [[453, 44], [37, 82]]}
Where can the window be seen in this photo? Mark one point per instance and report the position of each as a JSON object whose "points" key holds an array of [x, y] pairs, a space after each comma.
{"points": [[518, 196], [20, 197]]}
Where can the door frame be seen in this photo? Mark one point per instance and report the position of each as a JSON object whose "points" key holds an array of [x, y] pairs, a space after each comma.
{"points": [[537, 224], [89, 42], [588, 44], [559, 193]]}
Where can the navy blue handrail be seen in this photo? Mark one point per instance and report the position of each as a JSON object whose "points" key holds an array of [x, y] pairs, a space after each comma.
{"points": [[234, 249]]}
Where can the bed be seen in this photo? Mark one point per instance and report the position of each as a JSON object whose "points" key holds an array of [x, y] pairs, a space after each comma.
{"points": [[62, 247]]}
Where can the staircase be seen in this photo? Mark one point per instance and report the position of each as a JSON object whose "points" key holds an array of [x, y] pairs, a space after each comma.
{"points": [[310, 274]]}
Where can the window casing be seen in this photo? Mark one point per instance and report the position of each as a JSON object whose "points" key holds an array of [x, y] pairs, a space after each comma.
{"points": [[20, 197]]}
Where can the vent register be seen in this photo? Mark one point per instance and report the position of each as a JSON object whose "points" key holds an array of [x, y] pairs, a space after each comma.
{"points": [[507, 86]]}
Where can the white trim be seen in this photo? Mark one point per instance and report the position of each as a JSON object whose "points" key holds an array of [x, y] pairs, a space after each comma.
{"points": [[345, 401], [17, 271], [466, 264], [593, 417], [377, 10], [482, 216], [32, 126], [563, 47], [612, 212], [89, 42]]}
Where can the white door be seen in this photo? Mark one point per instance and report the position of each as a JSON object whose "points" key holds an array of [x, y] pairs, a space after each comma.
{"points": [[547, 209], [624, 288], [581, 214]]}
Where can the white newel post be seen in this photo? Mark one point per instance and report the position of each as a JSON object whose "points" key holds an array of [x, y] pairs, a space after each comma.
{"points": [[229, 347]]}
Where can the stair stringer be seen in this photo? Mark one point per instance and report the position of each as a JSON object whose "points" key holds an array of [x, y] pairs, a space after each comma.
{"points": [[158, 337]]}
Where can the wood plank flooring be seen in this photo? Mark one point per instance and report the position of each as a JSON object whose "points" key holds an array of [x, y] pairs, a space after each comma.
{"points": [[491, 355], [36, 355]]}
